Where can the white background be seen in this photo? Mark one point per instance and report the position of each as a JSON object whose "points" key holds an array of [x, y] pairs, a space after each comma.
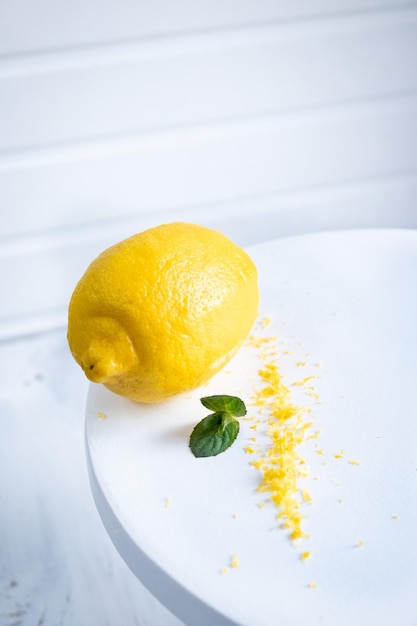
{"points": [[262, 118]]}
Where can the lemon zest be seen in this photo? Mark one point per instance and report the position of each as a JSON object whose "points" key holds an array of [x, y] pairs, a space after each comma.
{"points": [[281, 464]]}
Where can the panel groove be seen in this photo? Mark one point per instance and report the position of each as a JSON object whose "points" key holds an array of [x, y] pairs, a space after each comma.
{"points": [[22, 244], [136, 26], [204, 132], [182, 44]]}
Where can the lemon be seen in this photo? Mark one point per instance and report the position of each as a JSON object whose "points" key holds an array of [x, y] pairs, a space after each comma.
{"points": [[161, 312]]}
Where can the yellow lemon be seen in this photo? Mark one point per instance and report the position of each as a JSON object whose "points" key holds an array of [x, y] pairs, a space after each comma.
{"points": [[162, 311]]}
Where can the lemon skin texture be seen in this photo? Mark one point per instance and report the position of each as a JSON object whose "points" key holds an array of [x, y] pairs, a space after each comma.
{"points": [[161, 312]]}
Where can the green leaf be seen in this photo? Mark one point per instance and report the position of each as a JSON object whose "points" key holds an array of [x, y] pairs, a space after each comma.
{"points": [[214, 434], [228, 404]]}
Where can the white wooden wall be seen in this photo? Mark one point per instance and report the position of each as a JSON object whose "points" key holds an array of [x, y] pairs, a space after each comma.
{"points": [[268, 117]]}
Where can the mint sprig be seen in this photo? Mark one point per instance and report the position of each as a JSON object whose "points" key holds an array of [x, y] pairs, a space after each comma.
{"points": [[226, 404], [216, 432]]}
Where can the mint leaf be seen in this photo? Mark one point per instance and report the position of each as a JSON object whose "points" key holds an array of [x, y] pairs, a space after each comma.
{"points": [[214, 434], [229, 404]]}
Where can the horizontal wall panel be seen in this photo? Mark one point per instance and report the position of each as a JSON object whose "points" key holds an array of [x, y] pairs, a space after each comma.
{"points": [[27, 26], [72, 97], [38, 274], [59, 187]]}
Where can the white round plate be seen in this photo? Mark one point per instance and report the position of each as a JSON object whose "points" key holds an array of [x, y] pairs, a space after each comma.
{"points": [[344, 310]]}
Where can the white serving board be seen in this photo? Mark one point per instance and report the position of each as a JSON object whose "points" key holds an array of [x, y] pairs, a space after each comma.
{"points": [[344, 310]]}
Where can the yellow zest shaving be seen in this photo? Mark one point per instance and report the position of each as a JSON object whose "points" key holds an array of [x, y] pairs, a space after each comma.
{"points": [[234, 561], [313, 394], [256, 341], [306, 496], [303, 382], [266, 321], [101, 415], [305, 555]]}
